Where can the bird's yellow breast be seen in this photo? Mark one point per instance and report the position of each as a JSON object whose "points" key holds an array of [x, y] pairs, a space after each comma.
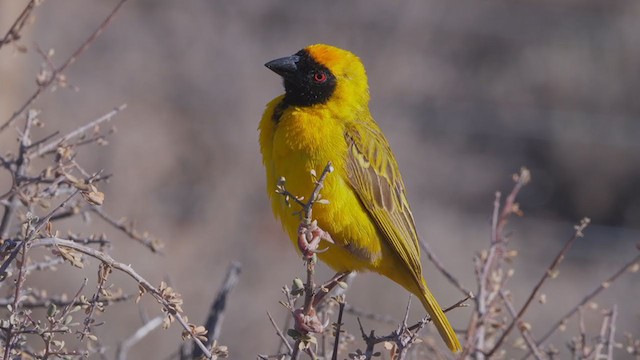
{"points": [[301, 141]]}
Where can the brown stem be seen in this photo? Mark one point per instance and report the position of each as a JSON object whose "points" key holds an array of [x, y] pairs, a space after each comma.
{"points": [[127, 269], [56, 72], [14, 31], [551, 270], [280, 334], [338, 329], [16, 298], [22, 164], [604, 285], [43, 149], [218, 307]]}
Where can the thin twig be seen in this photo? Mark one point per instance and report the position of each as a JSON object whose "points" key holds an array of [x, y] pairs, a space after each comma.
{"points": [[338, 327], [440, 266], [308, 207], [287, 322], [485, 266], [483, 276], [526, 335], [33, 233], [127, 269], [458, 304], [531, 343], [361, 313], [128, 343], [307, 225], [128, 228], [280, 334], [56, 72], [405, 335], [54, 144], [582, 331], [370, 340], [103, 273], [14, 31], [612, 332], [16, 299], [216, 312], [550, 272], [21, 168], [601, 342], [44, 265], [61, 301], [604, 285]]}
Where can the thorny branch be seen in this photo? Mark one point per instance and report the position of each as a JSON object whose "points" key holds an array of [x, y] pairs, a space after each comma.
{"points": [[56, 73], [32, 234], [550, 272], [43, 149], [309, 237], [280, 334], [488, 327], [21, 165], [144, 330], [403, 337], [631, 266], [441, 267], [62, 302], [128, 227], [21, 230], [338, 326], [216, 313], [526, 335], [486, 265], [14, 31], [165, 296]]}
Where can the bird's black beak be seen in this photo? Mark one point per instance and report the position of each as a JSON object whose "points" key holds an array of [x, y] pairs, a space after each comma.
{"points": [[285, 67]]}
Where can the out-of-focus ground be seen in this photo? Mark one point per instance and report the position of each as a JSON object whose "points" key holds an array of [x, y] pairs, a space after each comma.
{"points": [[466, 92]]}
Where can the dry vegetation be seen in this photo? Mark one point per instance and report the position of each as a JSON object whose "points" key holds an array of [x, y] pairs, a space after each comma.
{"points": [[494, 315], [64, 189], [50, 186]]}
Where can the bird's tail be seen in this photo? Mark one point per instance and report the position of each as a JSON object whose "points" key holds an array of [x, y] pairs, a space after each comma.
{"points": [[439, 320]]}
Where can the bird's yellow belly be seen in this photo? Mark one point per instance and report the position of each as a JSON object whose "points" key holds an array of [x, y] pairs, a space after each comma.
{"points": [[357, 242]]}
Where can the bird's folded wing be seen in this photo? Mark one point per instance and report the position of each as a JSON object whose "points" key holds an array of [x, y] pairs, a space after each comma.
{"points": [[373, 173]]}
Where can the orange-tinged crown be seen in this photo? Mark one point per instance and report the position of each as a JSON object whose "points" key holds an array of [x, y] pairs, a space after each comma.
{"points": [[346, 67]]}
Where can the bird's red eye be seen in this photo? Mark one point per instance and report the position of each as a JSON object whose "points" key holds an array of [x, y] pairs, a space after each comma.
{"points": [[320, 77]]}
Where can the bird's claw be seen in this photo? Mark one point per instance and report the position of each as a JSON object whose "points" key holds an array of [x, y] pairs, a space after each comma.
{"points": [[309, 238], [308, 323]]}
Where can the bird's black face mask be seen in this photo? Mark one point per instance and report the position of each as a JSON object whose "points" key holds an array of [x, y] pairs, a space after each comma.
{"points": [[306, 82]]}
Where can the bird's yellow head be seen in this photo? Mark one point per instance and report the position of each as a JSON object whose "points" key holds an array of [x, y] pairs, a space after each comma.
{"points": [[321, 72]]}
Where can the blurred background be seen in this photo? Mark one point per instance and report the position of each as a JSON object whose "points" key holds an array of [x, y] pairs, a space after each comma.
{"points": [[466, 92]]}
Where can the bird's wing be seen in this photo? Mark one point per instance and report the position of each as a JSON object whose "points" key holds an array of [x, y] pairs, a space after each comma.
{"points": [[373, 173]]}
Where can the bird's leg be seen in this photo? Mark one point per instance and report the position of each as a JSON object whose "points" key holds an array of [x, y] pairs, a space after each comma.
{"points": [[329, 285], [309, 237]]}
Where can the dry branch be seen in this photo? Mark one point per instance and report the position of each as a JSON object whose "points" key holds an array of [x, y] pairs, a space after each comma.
{"points": [[43, 149], [218, 307], [171, 307], [13, 34], [144, 330], [55, 73], [550, 272], [633, 263]]}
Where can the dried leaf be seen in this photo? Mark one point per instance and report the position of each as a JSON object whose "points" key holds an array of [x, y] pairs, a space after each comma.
{"points": [[94, 197]]}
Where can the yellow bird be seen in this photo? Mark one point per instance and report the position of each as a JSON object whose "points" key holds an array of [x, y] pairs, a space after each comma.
{"points": [[324, 116]]}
